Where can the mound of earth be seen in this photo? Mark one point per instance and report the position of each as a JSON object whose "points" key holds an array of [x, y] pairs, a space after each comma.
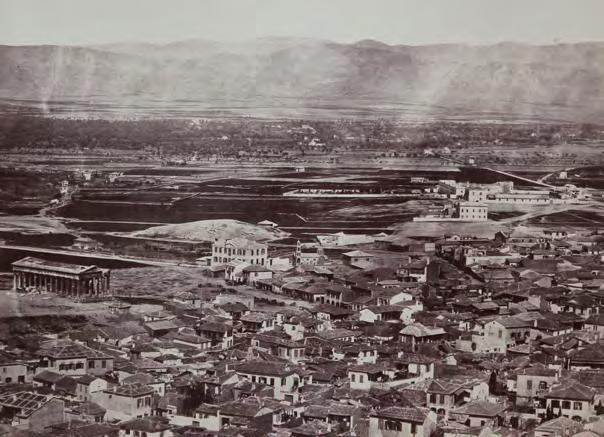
{"points": [[209, 230]]}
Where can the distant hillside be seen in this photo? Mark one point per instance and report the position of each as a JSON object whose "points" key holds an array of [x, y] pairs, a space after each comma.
{"points": [[208, 230], [502, 78]]}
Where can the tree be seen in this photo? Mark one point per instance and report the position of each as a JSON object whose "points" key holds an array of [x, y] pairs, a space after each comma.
{"points": [[549, 414], [493, 383], [195, 395]]}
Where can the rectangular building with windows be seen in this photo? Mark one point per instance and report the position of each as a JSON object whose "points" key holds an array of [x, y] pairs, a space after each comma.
{"points": [[474, 212], [238, 249]]}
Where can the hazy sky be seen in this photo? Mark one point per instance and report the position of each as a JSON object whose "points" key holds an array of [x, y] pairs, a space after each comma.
{"points": [[390, 21]]}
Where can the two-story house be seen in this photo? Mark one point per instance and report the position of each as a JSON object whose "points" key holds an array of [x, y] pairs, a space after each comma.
{"points": [[284, 378], [126, 401], [533, 383], [218, 333], [72, 359], [87, 385], [402, 422], [570, 399]]}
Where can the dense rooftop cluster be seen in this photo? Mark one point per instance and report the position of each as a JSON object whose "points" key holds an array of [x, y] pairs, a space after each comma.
{"points": [[456, 336]]}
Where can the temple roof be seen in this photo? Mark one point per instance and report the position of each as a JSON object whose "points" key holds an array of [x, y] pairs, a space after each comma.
{"points": [[41, 264]]}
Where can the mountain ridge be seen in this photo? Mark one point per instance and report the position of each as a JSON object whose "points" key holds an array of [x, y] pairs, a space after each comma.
{"points": [[487, 78]]}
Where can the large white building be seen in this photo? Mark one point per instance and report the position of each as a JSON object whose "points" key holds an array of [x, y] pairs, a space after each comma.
{"points": [[238, 249], [475, 212], [504, 193]]}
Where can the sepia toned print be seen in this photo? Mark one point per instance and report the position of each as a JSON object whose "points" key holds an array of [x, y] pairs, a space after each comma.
{"points": [[301, 218]]}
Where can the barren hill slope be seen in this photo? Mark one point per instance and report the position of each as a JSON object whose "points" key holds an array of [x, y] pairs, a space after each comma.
{"points": [[208, 230]]}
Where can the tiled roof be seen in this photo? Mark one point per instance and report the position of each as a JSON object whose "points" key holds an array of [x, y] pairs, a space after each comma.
{"points": [[405, 414], [67, 349], [131, 390], [419, 330], [559, 426], [338, 333], [215, 327], [47, 376], [161, 325], [331, 309], [385, 309], [89, 408], [442, 387], [86, 379], [481, 409], [368, 368], [40, 264], [538, 371], [572, 390], [357, 253], [24, 401], [256, 317], [147, 424], [514, 322], [240, 243], [312, 429], [591, 354], [265, 368], [241, 408]]}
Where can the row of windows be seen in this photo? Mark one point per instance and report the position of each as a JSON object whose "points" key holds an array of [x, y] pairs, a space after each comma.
{"points": [[437, 399], [142, 433], [146, 401], [71, 366], [259, 261], [578, 406], [466, 210], [542, 385], [394, 425], [229, 251], [266, 380], [353, 378]]}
